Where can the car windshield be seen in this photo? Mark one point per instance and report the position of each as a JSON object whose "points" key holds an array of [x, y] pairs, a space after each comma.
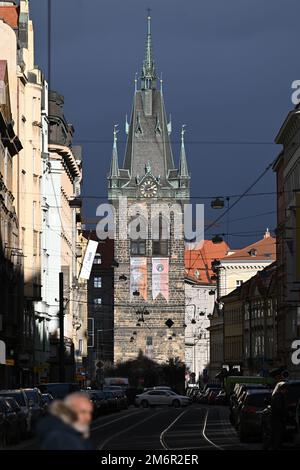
{"points": [[14, 405], [17, 396], [4, 406]]}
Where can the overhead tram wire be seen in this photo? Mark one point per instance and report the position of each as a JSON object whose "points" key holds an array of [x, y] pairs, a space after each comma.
{"points": [[208, 197], [226, 211]]}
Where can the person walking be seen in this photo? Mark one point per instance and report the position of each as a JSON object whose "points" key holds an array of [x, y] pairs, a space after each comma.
{"points": [[278, 415], [67, 425]]}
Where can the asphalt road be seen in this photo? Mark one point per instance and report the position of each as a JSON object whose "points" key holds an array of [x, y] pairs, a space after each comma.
{"points": [[196, 427], [192, 428]]}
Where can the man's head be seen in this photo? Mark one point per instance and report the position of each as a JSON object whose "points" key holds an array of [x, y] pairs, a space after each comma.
{"points": [[81, 405]]}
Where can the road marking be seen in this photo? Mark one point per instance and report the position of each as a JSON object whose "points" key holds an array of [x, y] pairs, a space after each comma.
{"points": [[162, 441], [127, 429], [115, 420], [204, 433]]}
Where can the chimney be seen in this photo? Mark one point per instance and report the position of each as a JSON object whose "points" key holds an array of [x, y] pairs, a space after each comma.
{"points": [[267, 234]]}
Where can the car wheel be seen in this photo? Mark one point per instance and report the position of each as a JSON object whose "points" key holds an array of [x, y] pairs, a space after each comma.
{"points": [[176, 404], [145, 404]]}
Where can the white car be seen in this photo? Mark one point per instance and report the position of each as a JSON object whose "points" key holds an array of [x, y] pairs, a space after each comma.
{"points": [[161, 397]]}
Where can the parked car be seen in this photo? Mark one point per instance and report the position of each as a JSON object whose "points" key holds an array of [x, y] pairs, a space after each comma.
{"points": [[120, 395], [249, 414], [111, 400], [161, 397], [221, 398], [12, 432], [99, 401], [47, 398], [211, 399], [238, 393], [35, 405], [21, 417], [102, 403], [193, 394], [203, 396], [59, 390], [210, 386], [22, 400], [2, 428]]}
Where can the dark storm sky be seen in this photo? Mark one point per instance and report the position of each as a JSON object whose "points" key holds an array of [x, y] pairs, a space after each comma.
{"points": [[227, 68]]}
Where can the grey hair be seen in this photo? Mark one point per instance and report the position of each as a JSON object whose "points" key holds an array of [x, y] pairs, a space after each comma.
{"points": [[69, 398]]}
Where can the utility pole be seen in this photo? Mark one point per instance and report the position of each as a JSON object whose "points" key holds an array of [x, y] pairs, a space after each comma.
{"points": [[61, 329]]}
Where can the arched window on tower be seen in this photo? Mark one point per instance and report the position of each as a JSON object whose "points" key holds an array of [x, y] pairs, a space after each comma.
{"points": [[138, 234], [160, 242]]}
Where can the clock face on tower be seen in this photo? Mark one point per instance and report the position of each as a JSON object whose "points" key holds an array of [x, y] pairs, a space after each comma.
{"points": [[148, 188]]}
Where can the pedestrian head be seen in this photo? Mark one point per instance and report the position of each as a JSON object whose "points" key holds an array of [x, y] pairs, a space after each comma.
{"points": [[81, 405]]}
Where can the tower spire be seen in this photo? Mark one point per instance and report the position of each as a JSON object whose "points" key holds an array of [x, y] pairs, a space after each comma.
{"points": [[148, 77], [183, 168], [114, 169]]}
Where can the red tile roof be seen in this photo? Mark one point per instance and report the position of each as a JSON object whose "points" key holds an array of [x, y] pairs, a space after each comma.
{"points": [[10, 15], [262, 250], [198, 262]]}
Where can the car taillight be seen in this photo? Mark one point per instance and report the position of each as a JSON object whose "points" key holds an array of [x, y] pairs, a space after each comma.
{"points": [[249, 409]]}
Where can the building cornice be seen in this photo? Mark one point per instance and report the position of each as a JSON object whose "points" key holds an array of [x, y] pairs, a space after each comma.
{"points": [[288, 128], [69, 159]]}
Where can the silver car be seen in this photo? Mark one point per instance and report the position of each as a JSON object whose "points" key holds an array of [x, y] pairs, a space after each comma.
{"points": [[161, 397]]}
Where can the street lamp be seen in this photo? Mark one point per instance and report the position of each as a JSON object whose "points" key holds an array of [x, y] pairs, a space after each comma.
{"points": [[217, 203]]}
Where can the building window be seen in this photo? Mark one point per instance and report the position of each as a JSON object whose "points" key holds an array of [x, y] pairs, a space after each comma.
{"points": [[97, 282], [97, 259], [34, 161], [80, 346], [33, 214], [160, 247], [138, 247], [149, 341], [91, 330], [238, 282], [34, 110], [98, 302]]}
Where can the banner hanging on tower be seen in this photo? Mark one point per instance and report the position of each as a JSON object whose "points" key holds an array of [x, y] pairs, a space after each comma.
{"points": [[160, 277], [138, 277]]}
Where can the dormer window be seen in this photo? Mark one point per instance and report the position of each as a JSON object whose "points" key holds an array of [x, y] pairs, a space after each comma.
{"points": [[252, 252]]}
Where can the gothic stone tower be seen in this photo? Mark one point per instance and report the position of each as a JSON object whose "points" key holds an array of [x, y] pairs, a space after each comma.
{"points": [[149, 302]]}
